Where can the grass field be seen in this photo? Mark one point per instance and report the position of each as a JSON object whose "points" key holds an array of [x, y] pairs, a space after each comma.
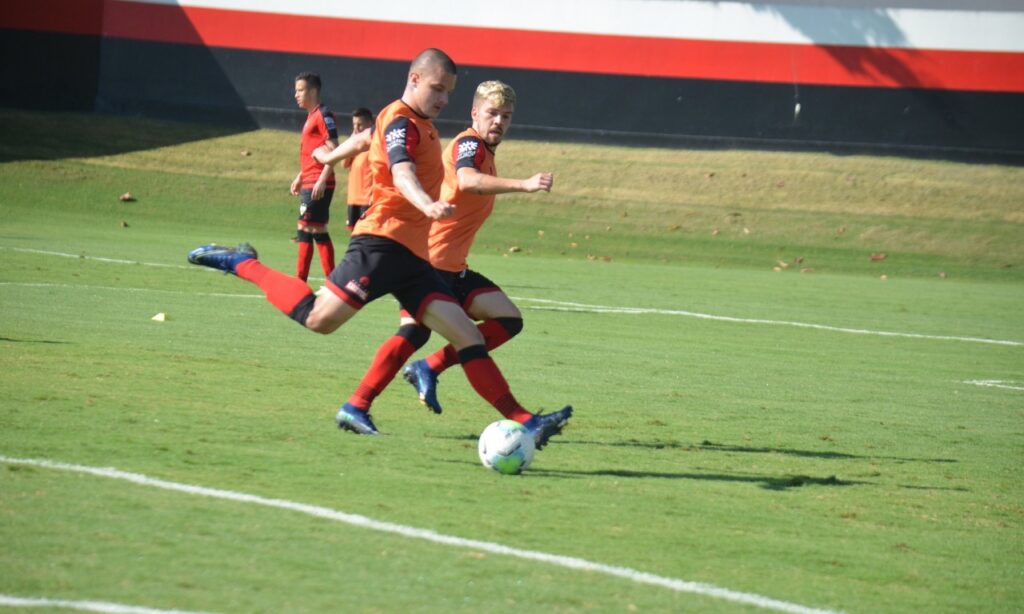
{"points": [[748, 436]]}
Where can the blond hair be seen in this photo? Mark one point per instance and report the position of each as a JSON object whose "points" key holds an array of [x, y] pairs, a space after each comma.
{"points": [[496, 92]]}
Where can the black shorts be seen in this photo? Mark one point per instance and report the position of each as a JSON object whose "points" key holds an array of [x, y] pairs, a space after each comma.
{"points": [[354, 213], [315, 212], [375, 266], [467, 285]]}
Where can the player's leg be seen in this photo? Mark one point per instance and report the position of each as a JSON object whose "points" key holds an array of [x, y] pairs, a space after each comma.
{"points": [[322, 314], [325, 247], [501, 320], [483, 300], [304, 241], [450, 321], [390, 357]]}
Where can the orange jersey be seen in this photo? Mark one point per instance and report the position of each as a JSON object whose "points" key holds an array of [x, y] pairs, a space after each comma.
{"points": [[401, 135], [319, 127], [360, 181], [451, 238]]}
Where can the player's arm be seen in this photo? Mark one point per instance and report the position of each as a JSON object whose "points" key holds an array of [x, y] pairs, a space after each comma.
{"points": [[296, 185], [320, 187], [404, 176], [472, 180], [349, 148]]}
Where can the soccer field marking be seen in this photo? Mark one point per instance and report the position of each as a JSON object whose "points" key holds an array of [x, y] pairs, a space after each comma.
{"points": [[994, 383], [86, 606], [585, 308], [639, 577], [123, 289], [554, 305]]}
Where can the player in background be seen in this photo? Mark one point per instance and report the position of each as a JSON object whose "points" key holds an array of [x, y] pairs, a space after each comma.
{"points": [[389, 249], [360, 181], [471, 183], [314, 184]]}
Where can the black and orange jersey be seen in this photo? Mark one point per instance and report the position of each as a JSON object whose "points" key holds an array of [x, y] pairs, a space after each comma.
{"points": [[402, 135], [319, 127], [451, 238]]}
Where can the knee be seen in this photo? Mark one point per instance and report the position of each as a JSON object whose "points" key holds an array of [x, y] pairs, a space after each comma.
{"points": [[415, 334], [512, 326], [321, 325]]}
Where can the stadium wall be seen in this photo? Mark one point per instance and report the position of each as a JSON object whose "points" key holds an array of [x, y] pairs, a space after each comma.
{"points": [[942, 75]]}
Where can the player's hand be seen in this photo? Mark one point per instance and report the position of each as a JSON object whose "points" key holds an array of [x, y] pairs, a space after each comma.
{"points": [[294, 190], [439, 210], [318, 190], [540, 181]]}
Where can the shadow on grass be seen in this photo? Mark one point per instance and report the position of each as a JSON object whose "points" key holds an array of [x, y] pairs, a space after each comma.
{"points": [[708, 446], [11, 340], [766, 482]]}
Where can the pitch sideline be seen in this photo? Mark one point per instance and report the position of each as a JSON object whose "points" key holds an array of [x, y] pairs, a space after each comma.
{"points": [[639, 577]]}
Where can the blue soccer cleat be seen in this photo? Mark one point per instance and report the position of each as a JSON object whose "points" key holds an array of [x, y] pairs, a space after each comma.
{"points": [[546, 426], [222, 258], [349, 418], [425, 382]]}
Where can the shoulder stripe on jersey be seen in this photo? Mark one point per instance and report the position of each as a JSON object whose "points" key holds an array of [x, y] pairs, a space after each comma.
{"points": [[401, 139], [469, 153]]}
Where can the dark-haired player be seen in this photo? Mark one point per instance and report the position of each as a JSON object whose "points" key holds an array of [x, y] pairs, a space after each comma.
{"points": [[314, 184], [360, 181], [389, 249]]}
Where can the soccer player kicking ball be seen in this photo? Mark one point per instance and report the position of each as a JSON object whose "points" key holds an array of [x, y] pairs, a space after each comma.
{"points": [[388, 250], [471, 183]]}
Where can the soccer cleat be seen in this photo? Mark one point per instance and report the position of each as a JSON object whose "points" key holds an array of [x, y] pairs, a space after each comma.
{"points": [[351, 419], [546, 426], [425, 382], [222, 258]]}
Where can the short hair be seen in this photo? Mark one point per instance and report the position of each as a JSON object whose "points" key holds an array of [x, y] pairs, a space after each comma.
{"points": [[496, 92], [433, 57], [312, 79], [364, 113]]}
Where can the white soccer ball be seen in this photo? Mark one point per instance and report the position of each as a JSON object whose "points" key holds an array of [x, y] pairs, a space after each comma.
{"points": [[506, 446]]}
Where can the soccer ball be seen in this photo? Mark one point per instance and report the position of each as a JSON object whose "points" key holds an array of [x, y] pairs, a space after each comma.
{"points": [[506, 446]]}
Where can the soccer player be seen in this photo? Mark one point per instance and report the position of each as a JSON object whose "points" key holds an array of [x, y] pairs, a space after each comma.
{"points": [[471, 182], [388, 250], [314, 184], [360, 181]]}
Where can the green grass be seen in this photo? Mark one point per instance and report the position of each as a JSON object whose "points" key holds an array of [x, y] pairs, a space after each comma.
{"points": [[829, 469]]}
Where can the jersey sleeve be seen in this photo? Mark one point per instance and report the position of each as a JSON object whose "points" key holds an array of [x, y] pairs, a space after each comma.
{"points": [[401, 138], [331, 125], [469, 153]]}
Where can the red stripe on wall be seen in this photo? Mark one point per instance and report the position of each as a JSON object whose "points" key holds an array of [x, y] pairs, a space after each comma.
{"points": [[591, 53]]}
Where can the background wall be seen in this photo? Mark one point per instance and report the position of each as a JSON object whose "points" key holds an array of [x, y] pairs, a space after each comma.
{"points": [[926, 75]]}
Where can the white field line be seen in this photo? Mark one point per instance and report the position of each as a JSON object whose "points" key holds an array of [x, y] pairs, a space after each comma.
{"points": [[122, 289], [85, 606], [994, 383], [582, 307], [554, 305], [639, 577]]}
